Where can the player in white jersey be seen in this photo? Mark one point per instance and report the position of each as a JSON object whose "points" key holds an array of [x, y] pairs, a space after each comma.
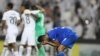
{"points": [[28, 35], [10, 22]]}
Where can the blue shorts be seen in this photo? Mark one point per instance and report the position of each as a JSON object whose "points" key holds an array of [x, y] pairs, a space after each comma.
{"points": [[70, 41]]}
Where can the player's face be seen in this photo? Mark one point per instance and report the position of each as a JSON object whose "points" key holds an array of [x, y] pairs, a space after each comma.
{"points": [[45, 40]]}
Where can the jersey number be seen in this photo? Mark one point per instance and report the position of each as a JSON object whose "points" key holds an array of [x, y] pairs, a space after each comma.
{"points": [[13, 20], [27, 19]]}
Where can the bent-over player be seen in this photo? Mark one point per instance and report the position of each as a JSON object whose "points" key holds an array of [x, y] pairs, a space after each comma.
{"points": [[61, 37]]}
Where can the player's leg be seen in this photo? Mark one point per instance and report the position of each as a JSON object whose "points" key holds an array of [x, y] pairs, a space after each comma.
{"points": [[41, 50], [61, 50], [21, 48], [12, 44], [5, 51], [13, 49], [31, 43], [22, 43], [28, 52]]}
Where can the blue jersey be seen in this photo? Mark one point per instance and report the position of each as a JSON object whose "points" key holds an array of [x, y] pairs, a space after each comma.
{"points": [[64, 35]]}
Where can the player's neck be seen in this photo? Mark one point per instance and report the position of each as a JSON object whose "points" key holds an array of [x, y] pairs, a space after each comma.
{"points": [[9, 9]]}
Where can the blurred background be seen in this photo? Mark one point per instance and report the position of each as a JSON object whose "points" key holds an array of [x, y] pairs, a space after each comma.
{"points": [[82, 15]]}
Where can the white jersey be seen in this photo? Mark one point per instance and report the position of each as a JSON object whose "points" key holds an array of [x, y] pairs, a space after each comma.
{"points": [[28, 36], [11, 18], [28, 20]]}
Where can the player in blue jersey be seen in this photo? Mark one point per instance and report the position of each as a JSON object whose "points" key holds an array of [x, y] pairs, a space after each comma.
{"points": [[61, 37]]}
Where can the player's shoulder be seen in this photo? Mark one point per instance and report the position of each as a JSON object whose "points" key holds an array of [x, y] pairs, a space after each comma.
{"points": [[5, 12], [35, 11], [27, 11], [12, 12]]}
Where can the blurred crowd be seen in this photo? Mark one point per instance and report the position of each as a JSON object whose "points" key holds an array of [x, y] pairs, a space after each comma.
{"points": [[82, 15]]}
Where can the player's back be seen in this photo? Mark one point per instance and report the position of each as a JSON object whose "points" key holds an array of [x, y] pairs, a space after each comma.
{"points": [[11, 18], [28, 20], [60, 33]]}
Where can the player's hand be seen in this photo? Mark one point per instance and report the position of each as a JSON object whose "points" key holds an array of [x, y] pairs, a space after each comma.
{"points": [[45, 42], [40, 8]]}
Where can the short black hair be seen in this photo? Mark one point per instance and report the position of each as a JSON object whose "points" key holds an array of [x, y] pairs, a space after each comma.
{"points": [[26, 5], [33, 7], [10, 5], [40, 38]]}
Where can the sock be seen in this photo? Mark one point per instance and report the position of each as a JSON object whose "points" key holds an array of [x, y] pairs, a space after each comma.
{"points": [[5, 52], [61, 54], [36, 48], [21, 50], [41, 51], [16, 53], [29, 49]]}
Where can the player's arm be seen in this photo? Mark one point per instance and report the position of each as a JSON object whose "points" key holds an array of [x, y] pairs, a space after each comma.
{"points": [[4, 26], [18, 20], [40, 8], [53, 43], [21, 22], [4, 21], [35, 16], [50, 42]]}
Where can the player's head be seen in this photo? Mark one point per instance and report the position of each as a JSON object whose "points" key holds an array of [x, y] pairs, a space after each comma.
{"points": [[33, 7], [10, 6], [24, 6], [27, 6], [43, 38]]}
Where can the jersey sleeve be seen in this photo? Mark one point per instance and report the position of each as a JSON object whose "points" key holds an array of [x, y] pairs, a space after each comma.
{"points": [[4, 16], [35, 11]]}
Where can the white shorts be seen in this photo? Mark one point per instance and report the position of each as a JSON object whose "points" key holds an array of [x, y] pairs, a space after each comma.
{"points": [[28, 37], [11, 36]]}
